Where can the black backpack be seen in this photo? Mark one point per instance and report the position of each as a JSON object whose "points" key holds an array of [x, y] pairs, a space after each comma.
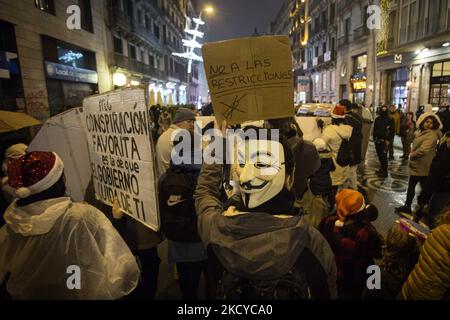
{"points": [[345, 154], [176, 205], [228, 286]]}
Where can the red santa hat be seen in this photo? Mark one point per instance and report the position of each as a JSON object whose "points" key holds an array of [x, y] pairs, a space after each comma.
{"points": [[348, 202], [34, 172], [338, 112]]}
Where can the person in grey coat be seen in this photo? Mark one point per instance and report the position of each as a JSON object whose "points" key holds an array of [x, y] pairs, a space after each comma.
{"points": [[422, 154], [261, 237]]}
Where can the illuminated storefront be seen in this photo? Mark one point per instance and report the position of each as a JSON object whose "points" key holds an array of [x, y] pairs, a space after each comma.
{"points": [[440, 84], [358, 80], [359, 86]]}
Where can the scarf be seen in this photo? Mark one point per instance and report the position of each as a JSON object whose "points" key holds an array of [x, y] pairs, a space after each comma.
{"points": [[282, 203]]}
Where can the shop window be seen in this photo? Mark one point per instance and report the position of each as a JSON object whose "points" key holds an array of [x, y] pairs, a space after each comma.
{"points": [[118, 47], [440, 84], [441, 69], [45, 5], [360, 64]]}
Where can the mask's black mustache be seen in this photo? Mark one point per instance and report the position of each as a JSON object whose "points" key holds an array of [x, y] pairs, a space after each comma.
{"points": [[249, 185]]}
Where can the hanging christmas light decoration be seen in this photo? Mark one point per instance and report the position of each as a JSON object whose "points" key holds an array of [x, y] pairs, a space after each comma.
{"points": [[192, 44]]}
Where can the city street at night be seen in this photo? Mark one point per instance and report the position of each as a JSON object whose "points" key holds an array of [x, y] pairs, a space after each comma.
{"points": [[223, 150]]}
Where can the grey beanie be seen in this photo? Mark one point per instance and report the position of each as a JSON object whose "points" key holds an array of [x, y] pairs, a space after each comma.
{"points": [[183, 114]]}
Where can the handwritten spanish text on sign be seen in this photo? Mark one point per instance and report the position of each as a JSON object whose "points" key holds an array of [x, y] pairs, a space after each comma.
{"points": [[118, 132], [250, 78]]}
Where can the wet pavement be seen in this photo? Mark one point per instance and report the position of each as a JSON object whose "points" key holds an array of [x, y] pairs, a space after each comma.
{"points": [[385, 193]]}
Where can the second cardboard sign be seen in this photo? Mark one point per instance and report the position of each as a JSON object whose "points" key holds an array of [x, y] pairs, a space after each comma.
{"points": [[250, 78]]}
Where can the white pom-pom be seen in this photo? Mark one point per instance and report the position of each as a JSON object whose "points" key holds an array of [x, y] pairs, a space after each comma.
{"points": [[4, 180], [23, 192], [339, 224]]}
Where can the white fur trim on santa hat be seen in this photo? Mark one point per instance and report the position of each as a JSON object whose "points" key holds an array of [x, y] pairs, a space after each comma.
{"points": [[49, 180], [23, 192]]}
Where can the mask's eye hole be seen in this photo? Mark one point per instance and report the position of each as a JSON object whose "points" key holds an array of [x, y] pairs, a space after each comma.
{"points": [[241, 165], [261, 165]]}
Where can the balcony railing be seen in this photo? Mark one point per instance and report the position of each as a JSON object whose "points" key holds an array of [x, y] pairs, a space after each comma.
{"points": [[342, 41], [119, 19], [144, 34], [177, 75], [360, 32], [137, 66], [342, 5]]}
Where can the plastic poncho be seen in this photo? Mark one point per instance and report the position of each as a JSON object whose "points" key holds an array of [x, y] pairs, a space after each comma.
{"points": [[41, 240]]}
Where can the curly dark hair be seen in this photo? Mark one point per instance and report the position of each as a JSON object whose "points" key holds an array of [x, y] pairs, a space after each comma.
{"points": [[400, 252], [435, 123]]}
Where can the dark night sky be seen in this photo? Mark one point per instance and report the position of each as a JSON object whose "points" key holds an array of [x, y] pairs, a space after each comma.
{"points": [[238, 18]]}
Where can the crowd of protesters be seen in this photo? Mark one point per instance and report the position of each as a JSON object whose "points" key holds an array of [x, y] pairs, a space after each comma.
{"points": [[295, 225]]}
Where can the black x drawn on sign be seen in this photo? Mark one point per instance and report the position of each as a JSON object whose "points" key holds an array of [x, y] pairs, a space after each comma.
{"points": [[233, 107]]}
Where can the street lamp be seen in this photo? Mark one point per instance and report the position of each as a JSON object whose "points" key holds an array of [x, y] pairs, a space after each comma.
{"points": [[207, 9]]}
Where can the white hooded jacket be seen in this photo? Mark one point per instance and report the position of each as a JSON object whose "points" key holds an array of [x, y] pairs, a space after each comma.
{"points": [[43, 239], [333, 135]]}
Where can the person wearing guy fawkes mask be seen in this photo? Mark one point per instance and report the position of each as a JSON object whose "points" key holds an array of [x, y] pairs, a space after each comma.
{"points": [[261, 238]]}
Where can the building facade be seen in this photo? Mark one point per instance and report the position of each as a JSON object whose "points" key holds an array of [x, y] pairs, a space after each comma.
{"points": [[142, 35], [47, 66], [356, 52], [299, 35], [320, 64], [282, 23], [414, 53]]}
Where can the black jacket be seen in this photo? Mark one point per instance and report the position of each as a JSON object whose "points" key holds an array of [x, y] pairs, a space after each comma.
{"points": [[383, 128], [438, 179], [445, 119], [320, 182], [355, 121]]}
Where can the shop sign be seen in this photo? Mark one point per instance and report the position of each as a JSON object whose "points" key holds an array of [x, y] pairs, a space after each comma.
{"points": [[398, 58], [359, 85], [63, 72]]}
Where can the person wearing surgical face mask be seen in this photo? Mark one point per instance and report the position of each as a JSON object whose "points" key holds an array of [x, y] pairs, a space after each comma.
{"points": [[261, 237]]}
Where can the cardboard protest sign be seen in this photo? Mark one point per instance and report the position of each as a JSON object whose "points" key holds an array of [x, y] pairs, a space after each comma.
{"points": [[122, 162], [250, 78]]}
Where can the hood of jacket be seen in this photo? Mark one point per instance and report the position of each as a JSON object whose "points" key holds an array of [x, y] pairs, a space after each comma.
{"points": [[344, 130], [36, 218], [258, 245], [425, 115]]}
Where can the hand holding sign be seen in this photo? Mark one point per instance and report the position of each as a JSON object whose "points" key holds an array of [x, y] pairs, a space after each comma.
{"points": [[250, 78]]}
